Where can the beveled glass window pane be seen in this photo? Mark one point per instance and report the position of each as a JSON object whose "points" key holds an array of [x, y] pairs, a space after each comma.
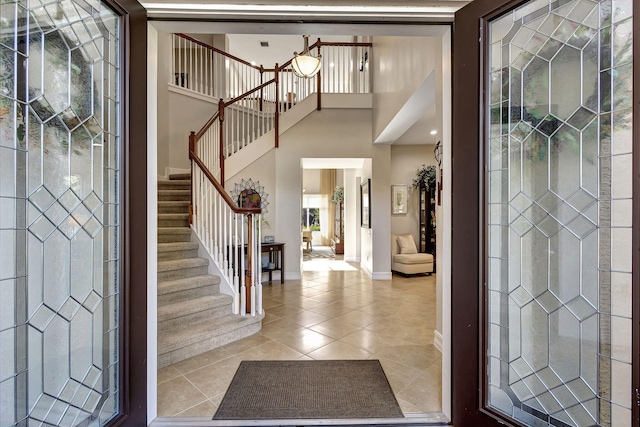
{"points": [[559, 206], [58, 364]]}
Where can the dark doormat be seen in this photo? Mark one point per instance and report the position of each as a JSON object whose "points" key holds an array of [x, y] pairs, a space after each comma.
{"points": [[326, 389]]}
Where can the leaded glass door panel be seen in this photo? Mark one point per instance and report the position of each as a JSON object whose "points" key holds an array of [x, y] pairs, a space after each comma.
{"points": [[60, 212], [557, 212]]}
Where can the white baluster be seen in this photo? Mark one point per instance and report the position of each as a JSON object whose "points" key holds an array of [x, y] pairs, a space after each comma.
{"points": [[230, 241], [255, 261], [258, 293], [243, 293]]}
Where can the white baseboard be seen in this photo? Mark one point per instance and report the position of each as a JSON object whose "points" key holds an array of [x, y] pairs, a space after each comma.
{"points": [[437, 340], [194, 94], [352, 259], [292, 276], [163, 178], [366, 271], [381, 275]]}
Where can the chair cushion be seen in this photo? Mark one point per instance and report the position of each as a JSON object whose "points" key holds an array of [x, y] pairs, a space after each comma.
{"points": [[413, 258], [407, 245]]}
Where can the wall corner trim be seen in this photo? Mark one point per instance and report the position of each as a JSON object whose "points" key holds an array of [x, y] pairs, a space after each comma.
{"points": [[437, 340], [381, 275]]}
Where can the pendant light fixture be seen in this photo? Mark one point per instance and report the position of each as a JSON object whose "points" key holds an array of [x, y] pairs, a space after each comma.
{"points": [[304, 65]]}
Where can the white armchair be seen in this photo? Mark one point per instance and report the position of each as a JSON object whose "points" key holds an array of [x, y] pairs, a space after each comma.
{"points": [[405, 259]]}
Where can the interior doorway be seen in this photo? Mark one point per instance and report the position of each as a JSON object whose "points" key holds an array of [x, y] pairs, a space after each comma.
{"points": [[322, 219]]}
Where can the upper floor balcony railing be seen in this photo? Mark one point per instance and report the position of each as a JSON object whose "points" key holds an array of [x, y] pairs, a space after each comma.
{"points": [[207, 70]]}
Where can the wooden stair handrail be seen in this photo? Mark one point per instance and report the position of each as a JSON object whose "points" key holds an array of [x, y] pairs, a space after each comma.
{"points": [[354, 44], [319, 43], [207, 125], [218, 114], [215, 49], [232, 205], [244, 95]]}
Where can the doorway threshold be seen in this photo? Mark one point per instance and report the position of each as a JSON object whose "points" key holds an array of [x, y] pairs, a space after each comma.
{"points": [[410, 420]]}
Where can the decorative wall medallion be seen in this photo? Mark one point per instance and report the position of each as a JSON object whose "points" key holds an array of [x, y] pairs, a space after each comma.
{"points": [[250, 194]]}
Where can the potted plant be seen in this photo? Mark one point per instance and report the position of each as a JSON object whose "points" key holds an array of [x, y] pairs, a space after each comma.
{"points": [[338, 195], [425, 175]]}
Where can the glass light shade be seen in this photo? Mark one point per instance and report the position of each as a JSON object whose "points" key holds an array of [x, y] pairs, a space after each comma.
{"points": [[306, 65]]}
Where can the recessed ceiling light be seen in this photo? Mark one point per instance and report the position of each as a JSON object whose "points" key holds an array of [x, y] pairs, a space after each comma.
{"points": [[331, 65], [433, 132], [253, 63]]}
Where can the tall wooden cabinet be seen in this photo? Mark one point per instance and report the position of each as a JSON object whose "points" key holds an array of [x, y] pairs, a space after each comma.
{"points": [[427, 219], [337, 242]]}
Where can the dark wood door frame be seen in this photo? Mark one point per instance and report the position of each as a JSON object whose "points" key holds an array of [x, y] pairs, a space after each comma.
{"points": [[133, 188], [635, 275], [465, 221], [467, 281]]}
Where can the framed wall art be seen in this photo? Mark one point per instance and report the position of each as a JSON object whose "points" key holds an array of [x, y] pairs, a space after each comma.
{"points": [[365, 205], [399, 199]]}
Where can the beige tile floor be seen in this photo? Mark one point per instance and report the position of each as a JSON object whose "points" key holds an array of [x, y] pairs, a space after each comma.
{"points": [[334, 312]]}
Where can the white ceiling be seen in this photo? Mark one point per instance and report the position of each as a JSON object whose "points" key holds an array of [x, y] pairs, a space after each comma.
{"points": [[420, 132], [407, 10], [280, 50]]}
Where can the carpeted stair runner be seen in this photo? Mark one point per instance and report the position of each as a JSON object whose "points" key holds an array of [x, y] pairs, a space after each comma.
{"points": [[193, 316]]}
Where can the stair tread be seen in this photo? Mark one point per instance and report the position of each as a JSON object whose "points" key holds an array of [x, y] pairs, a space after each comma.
{"points": [[178, 264], [176, 182], [199, 330], [173, 215], [174, 191], [177, 246], [193, 305], [187, 283], [173, 202], [174, 230], [179, 176]]}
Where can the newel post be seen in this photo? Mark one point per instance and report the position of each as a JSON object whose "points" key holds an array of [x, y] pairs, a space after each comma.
{"points": [[221, 148], [277, 118], [249, 272], [319, 80], [192, 149]]}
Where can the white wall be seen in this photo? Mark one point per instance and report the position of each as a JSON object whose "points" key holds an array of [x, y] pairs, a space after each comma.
{"points": [[162, 52], [311, 180], [204, 38], [381, 211], [187, 114], [153, 129], [394, 83], [405, 160], [443, 233], [351, 216], [262, 170], [178, 114], [366, 235]]}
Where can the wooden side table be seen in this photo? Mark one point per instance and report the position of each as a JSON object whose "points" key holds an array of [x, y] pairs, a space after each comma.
{"points": [[276, 257]]}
